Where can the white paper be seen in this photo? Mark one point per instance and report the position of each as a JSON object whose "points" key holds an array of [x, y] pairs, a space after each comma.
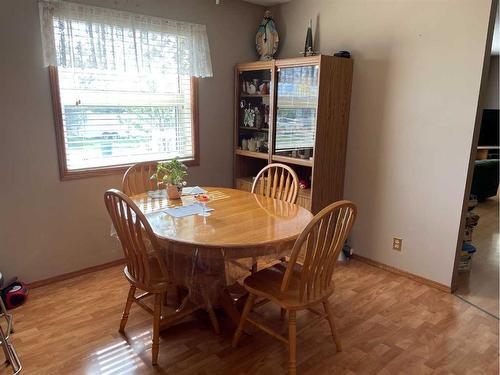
{"points": [[183, 211], [157, 194], [193, 190]]}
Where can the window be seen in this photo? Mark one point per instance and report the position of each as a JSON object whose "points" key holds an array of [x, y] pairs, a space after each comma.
{"points": [[123, 89]]}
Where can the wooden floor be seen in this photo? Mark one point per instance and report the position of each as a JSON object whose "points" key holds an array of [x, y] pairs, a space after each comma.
{"points": [[480, 285], [388, 323]]}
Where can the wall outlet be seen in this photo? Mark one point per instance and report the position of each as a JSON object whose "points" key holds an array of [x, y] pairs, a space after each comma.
{"points": [[397, 244]]}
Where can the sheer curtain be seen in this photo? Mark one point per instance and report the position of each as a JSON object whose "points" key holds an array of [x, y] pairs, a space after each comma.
{"points": [[80, 36]]}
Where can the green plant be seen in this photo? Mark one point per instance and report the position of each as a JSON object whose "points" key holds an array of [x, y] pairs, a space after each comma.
{"points": [[171, 172]]}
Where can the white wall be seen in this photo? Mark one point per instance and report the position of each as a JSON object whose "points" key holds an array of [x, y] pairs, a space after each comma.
{"points": [[417, 71], [49, 227]]}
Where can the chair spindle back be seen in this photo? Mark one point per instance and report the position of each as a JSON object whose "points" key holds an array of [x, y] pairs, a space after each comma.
{"points": [[137, 179], [134, 233], [322, 241], [277, 181]]}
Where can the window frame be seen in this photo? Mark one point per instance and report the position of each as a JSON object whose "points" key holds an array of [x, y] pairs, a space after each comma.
{"points": [[65, 174]]}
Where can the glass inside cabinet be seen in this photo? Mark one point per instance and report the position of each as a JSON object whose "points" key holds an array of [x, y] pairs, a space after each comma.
{"points": [[253, 113], [297, 100]]}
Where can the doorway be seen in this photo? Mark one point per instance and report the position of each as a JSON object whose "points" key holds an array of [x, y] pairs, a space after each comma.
{"points": [[476, 274]]}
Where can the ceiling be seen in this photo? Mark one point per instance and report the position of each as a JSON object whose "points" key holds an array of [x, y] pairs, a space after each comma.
{"points": [[267, 2]]}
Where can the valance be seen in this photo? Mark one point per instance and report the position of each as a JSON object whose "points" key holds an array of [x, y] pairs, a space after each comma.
{"points": [[82, 36]]}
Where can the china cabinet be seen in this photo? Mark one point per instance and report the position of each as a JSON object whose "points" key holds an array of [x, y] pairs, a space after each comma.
{"points": [[294, 111]]}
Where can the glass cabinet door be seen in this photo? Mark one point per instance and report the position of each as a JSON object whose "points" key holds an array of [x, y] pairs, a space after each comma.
{"points": [[297, 100], [255, 88]]}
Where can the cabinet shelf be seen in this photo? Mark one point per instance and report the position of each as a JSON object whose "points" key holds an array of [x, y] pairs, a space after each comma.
{"points": [[254, 129], [249, 180], [290, 160], [252, 154], [254, 95]]}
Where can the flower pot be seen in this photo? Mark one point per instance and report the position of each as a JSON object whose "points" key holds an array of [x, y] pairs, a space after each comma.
{"points": [[173, 192]]}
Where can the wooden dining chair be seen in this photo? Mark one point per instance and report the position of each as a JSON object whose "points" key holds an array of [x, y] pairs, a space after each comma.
{"points": [[137, 179], [146, 270], [277, 181], [298, 286]]}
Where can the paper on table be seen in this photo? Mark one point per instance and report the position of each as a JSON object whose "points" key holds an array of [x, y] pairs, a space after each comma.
{"points": [[193, 190], [183, 211], [156, 194]]}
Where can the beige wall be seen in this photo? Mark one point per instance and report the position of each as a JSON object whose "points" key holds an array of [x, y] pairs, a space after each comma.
{"points": [[49, 227], [417, 73], [492, 98]]}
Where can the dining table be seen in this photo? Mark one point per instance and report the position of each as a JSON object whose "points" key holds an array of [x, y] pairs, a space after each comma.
{"points": [[213, 254]]}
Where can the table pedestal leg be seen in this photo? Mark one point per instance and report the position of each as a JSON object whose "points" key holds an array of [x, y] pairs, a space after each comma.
{"points": [[229, 306]]}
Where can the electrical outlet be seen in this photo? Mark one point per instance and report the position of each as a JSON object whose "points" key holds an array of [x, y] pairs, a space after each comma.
{"points": [[397, 244]]}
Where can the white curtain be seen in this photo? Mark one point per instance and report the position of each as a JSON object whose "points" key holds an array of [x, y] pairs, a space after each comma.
{"points": [[81, 36]]}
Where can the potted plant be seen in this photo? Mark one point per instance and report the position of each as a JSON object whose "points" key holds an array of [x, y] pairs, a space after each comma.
{"points": [[172, 175]]}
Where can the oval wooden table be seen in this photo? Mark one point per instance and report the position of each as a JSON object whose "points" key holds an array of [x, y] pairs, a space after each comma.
{"points": [[241, 226]]}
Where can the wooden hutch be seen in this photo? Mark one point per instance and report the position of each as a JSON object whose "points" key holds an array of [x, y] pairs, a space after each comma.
{"points": [[296, 112]]}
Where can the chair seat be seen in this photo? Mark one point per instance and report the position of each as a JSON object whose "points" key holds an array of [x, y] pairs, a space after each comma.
{"points": [[158, 281], [267, 283]]}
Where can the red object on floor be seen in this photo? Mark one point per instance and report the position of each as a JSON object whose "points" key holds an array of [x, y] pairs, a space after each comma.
{"points": [[15, 294]]}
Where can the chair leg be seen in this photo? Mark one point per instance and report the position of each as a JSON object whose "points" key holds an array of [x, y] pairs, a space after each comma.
{"points": [[3, 311], [156, 328], [210, 310], [292, 341], [165, 299], [3, 344], [180, 296], [128, 305], [335, 334], [282, 314], [244, 315]]}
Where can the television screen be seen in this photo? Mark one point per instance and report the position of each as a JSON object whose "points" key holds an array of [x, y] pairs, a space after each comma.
{"points": [[489, 128]]}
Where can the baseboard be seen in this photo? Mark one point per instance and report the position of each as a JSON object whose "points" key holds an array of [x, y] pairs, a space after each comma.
{"points": [[418, 279], [69, 275]]}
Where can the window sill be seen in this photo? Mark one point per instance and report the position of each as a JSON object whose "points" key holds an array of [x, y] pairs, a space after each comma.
{"points": [[77, 174]]}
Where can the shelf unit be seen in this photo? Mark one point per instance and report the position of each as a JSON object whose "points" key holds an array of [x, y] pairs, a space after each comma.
{"points": [[303, 122]]}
